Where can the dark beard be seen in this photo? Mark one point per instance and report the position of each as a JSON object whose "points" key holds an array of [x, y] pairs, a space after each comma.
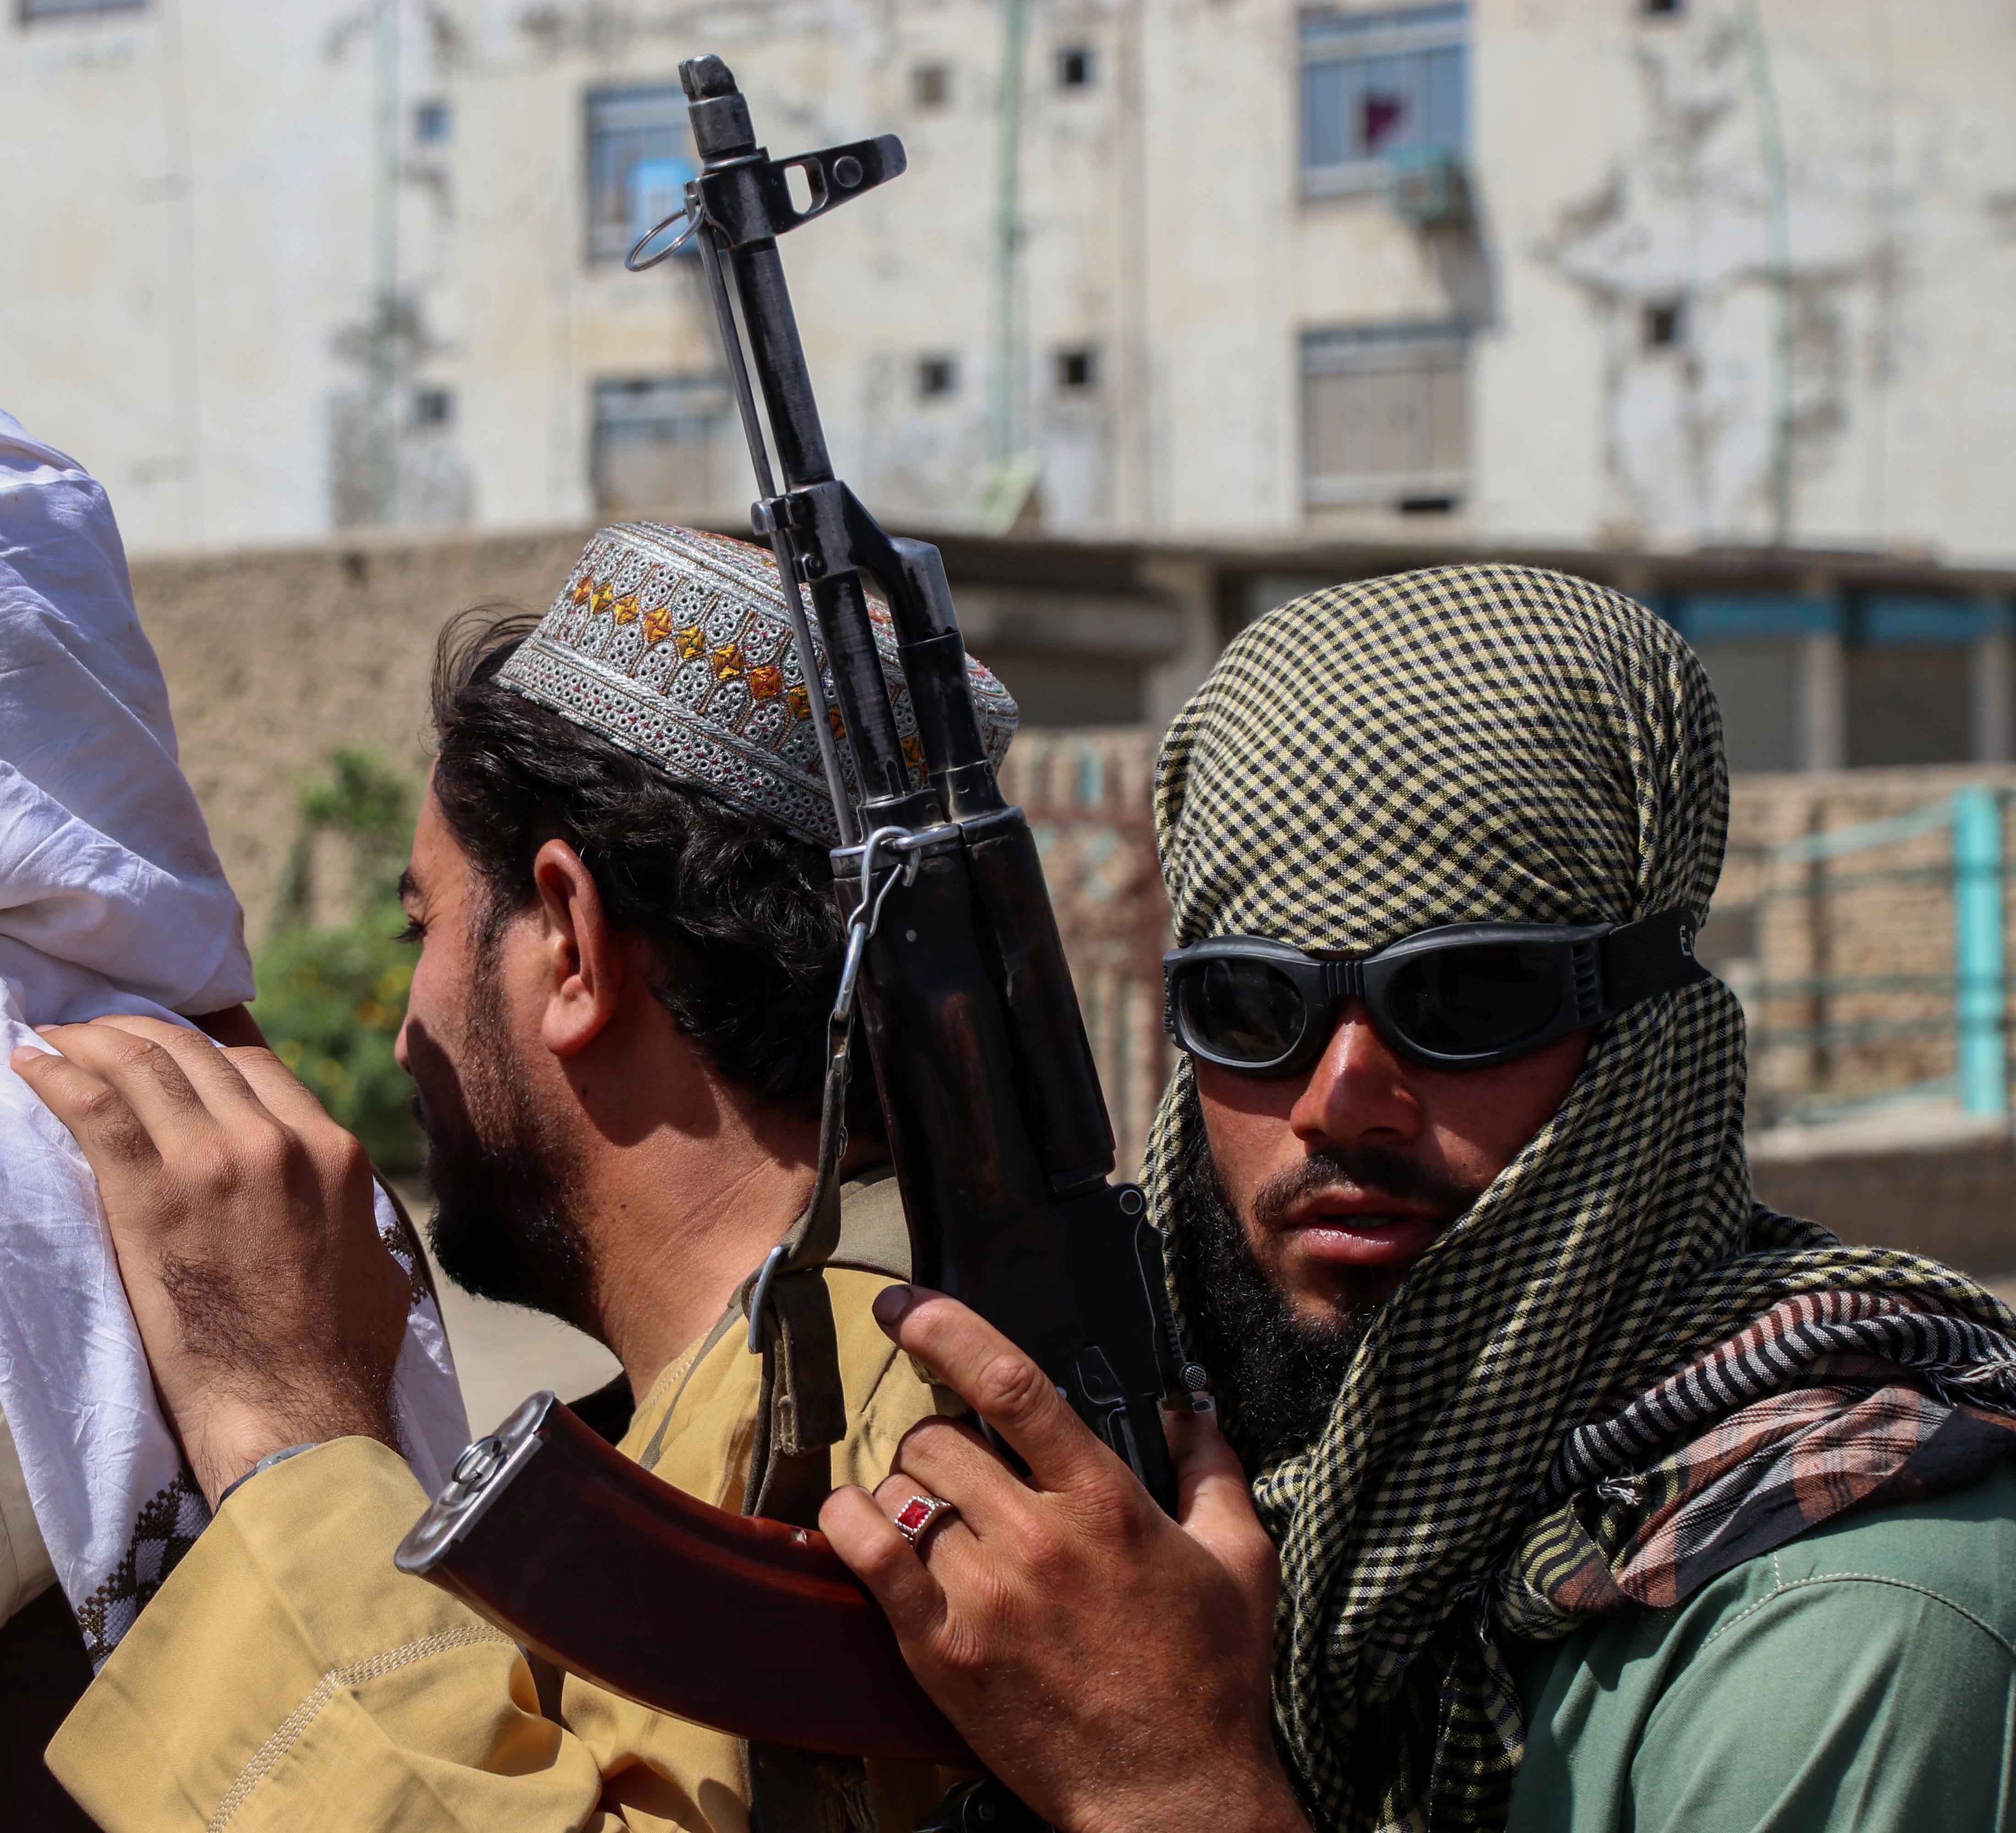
{"points": [[503, 1227], [1278, 1373]]}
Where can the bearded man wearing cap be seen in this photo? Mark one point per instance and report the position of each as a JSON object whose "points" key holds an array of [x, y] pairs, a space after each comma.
{"points": [[1598, 1497], [628, 950]]}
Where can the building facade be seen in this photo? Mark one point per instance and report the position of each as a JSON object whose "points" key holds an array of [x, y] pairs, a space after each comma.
{"points": [[1583, 275]]}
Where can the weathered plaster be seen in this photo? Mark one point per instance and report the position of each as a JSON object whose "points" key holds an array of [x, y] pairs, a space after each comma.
{"points": [[190, 296]]}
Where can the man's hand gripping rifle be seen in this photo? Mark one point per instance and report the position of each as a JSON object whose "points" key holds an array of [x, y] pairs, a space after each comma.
{"points": [[999, 1135]]}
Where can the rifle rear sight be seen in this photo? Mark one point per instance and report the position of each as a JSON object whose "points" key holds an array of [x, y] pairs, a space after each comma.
{"points": [[743, 193]]}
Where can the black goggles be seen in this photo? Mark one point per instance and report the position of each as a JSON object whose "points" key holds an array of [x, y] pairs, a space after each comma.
{"points": [[1462, 997]]}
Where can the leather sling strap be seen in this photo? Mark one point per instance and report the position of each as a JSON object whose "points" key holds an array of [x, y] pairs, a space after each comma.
{"points": [[800, 1414]]}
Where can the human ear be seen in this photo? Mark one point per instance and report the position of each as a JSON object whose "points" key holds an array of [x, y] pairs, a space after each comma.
{"points": [[582, 968]]}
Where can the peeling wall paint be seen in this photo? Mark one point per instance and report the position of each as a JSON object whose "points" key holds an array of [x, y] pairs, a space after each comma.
{"points": [[190, 303], [1893, 169]]}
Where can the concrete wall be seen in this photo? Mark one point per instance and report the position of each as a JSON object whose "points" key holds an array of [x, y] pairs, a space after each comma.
{"points": [[1625, 162], [275, 660], [1950, 1196], [196, 294], [188, 287], [278, 656]]}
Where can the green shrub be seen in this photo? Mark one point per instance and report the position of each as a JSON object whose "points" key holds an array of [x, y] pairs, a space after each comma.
{"points": [[331, 1000]]}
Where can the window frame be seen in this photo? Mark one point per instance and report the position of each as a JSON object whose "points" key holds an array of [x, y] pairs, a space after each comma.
{"points": [[1663, 325], [1366, 349], [431, 120], [1325, 36], [424, 397], [601, 96], [1085, 55], [1084, 357], [706, 398], [39, 13]]}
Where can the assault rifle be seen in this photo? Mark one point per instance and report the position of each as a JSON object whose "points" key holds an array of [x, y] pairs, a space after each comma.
{"points": [[999, 1135]]}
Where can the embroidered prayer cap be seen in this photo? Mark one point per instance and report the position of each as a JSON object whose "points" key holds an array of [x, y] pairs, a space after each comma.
{"points": [[1476, 744], [676, 645]]}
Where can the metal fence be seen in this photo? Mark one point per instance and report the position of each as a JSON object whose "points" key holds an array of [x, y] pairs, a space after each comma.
{"points": [[1088, 797], [1872, 961]]}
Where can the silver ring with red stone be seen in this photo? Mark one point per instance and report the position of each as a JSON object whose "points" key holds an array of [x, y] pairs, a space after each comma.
{"points": [[921, 1514]]}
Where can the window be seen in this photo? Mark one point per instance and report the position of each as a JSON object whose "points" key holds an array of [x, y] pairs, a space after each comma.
{"points": [[1665, 324], [1386, 415], [434, 407], [937, 375], [1750, 643], [931, 85], [1077, 67], [1078, 369], [657, 446], [34, 10], [1756, 683], [431, 121], [638, 163], [1377, 85], [1909, 679]]}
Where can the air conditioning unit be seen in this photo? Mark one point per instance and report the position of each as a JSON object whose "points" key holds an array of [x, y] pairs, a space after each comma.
{"points": [[1428, 188]]}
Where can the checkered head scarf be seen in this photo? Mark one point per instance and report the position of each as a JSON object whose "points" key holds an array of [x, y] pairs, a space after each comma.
{"points": [[1496, 743], [676, 645]]}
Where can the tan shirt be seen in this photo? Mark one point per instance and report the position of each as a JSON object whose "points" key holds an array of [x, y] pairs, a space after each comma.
{"points": [[286, 1677], [25, 1570]]}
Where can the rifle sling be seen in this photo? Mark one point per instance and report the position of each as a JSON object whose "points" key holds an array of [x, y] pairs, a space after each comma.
{"points": [[800, 1414]]}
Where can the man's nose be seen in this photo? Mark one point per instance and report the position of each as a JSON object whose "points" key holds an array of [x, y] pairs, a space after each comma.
{"points": [[400, 1054], [1358, 1092]]}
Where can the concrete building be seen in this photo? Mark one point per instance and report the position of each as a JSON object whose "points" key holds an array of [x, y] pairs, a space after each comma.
{"points": [[1593, 277]]}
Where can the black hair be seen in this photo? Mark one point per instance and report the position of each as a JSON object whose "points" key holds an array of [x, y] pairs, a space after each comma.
{"points": [[739, 912]]}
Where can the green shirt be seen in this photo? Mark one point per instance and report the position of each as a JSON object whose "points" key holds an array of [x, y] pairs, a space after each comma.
{"points": [[1862, 1677]]}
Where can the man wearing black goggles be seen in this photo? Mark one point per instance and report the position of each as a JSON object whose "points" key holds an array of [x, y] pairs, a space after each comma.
{"points": [[1553, 1464], [1467, 996]]}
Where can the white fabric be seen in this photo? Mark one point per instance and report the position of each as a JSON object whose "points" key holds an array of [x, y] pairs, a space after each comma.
{"points": [[111, 900]]}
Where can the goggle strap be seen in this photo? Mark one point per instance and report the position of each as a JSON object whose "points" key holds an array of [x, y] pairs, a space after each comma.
{"points": [[1652, 956]]}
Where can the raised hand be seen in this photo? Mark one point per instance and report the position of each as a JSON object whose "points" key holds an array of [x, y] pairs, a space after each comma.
{"points": [[242, 1217]]}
